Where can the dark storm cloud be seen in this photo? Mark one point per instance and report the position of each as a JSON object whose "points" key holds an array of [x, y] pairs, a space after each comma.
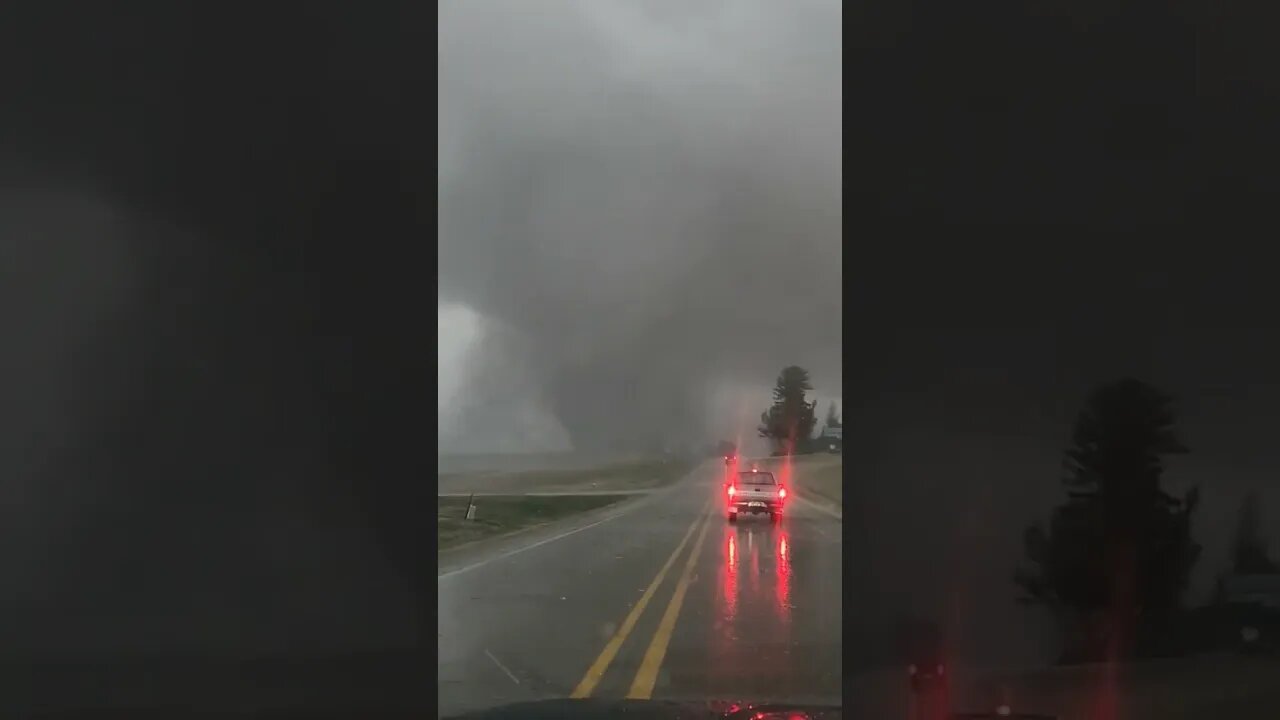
{"points": [[648, 194]]}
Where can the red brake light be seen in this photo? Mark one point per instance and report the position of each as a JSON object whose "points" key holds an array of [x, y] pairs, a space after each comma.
{"points": [[782, 492], [732, 490]]}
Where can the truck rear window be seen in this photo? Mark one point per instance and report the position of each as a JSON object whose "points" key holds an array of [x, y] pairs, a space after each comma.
{"points": [[756, 478]]}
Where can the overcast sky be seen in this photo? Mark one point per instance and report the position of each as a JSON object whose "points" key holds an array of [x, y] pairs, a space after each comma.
{"points": [[640, 207]]}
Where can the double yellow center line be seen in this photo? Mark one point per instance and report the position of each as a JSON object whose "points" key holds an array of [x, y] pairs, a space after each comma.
{"points": [[647, 675]]}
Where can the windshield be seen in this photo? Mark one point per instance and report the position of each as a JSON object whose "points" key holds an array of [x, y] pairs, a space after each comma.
{"points": [[1053, 438], [1059, 361], [639, 298]]}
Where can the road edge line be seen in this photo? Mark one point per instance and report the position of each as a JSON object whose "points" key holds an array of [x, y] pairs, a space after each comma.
{"points": [[617, 510], [613, 512]]}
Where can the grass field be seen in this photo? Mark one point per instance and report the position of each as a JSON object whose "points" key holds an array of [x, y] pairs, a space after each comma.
{"points": [[498, 515], [817, 477], [821, 477], [645, 475]]}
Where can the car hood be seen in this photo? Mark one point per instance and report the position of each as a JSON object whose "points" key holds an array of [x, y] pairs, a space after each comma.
{"points": [[592, 709]]}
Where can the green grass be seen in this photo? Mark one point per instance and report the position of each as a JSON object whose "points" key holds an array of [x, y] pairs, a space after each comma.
{"points": [[827, 482], [645, 475], [818, 476], [499, 515], [629, 476]]}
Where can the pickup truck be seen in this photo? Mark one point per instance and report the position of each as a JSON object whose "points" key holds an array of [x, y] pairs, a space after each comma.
{"points": [[757, 492]]}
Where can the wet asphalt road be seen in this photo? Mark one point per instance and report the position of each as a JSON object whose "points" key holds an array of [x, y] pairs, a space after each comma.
{"points": [[664, 600]]}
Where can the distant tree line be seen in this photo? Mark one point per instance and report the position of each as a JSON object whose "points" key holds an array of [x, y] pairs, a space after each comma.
{"points": [[790, 420]]}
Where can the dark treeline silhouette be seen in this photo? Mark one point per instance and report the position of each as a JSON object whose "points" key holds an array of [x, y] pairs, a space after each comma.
{"points": [[1116, 558], [789, 421]]}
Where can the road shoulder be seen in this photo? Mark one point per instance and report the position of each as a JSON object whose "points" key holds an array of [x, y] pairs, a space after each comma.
{"points": [[822, 505], [463, 557]]}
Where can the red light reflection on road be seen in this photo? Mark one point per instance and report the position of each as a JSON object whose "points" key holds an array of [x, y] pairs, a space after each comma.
{"points": [[729, 574], [724, 647], [782, 577]]}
